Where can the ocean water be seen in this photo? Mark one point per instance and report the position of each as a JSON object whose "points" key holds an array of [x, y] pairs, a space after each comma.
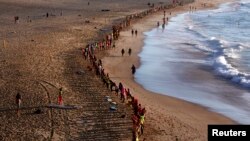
{"points": [[202, 57]]}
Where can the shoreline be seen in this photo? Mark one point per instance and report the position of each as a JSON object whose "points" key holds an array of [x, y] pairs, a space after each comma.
{"points": [[177, 111], [41, 54]]}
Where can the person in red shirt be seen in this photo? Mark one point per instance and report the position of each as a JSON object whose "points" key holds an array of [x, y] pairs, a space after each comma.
{"points": [[60, 100]]}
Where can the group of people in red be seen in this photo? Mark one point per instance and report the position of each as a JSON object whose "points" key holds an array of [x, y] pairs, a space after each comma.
{"points": [[138, 116]]}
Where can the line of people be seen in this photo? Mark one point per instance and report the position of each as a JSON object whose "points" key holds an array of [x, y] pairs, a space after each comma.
{"points": [[125, 95], [108, 42]]}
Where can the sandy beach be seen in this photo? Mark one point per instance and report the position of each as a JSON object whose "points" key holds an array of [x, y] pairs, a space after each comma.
{"points": [[167, 118], [42, 53]]}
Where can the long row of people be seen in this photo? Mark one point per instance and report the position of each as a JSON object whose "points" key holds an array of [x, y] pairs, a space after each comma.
{"points": [[108, 42], [125, 95]]}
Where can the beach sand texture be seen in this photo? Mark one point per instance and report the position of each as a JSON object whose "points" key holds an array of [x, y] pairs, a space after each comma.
{"points": [[41, 54]]}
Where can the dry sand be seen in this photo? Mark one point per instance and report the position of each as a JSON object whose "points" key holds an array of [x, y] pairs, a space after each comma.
{"points": [[38, 57]]}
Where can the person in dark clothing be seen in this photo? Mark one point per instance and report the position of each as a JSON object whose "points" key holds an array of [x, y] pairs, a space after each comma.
{"points": [[120, 86], [123, 51], [133, 69], [129, 51]]}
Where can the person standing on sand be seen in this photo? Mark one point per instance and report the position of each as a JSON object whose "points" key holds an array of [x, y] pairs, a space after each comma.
{"points": [[129, 51], [141, 119], [16, 18], [123, 51], [132, 32], [18, 102], [60, 100], [120, 86], [133, 69], [136, 32]]}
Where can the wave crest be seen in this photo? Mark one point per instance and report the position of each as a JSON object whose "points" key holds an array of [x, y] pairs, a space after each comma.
{"points": [[223, 68]]}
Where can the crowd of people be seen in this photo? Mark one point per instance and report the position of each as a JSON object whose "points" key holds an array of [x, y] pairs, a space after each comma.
{"points": [[108, 42]]}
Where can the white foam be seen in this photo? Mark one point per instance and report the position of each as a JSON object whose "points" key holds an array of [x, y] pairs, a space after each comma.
{"points": [[190, 27], [217, 44], [232, 53], [223, 68], [205, 49], [223, 42], [245, 45], [212, 38], [225, 48]]}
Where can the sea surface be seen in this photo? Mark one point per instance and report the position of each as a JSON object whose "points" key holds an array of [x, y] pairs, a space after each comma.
{"points": [[202, 57]]}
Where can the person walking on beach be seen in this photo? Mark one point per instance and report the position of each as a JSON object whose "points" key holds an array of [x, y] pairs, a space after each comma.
{"points": [[136, 32], [164, 20], [18, 102], [60, 100], [123, 51], [141, 120], [133, 69], [163, 26], [129, 51], [120, 86], [16, 18], [132, 32]]}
